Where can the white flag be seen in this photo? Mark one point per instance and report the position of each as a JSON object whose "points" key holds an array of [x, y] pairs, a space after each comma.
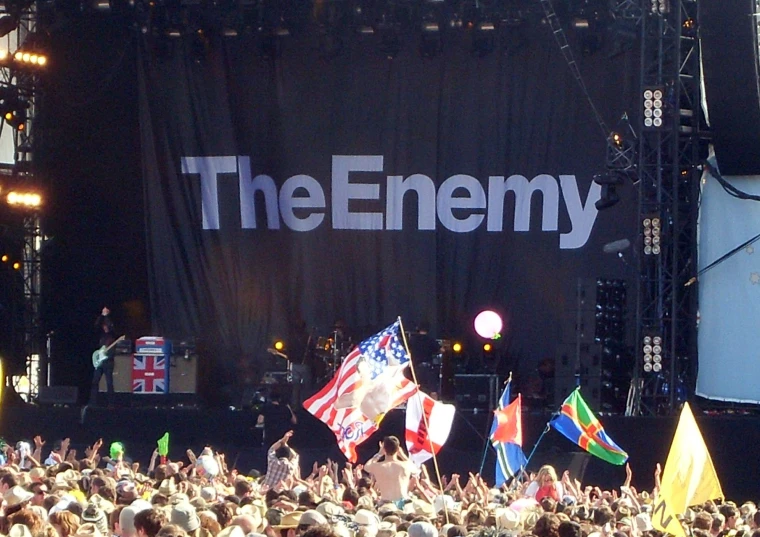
{"points": [[422, 441]]}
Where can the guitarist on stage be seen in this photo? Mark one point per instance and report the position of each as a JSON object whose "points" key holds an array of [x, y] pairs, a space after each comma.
{"points": [[107, 334]]}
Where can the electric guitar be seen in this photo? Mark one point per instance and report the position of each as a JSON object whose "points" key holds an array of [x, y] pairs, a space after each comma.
{"points": [[101, 355]]}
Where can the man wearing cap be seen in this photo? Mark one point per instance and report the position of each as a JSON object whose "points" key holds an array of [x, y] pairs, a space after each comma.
{"points": [[392, 470], [282, 464]]}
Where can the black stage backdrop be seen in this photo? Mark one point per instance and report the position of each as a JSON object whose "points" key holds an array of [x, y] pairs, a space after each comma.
{"points": [[272, 190]]}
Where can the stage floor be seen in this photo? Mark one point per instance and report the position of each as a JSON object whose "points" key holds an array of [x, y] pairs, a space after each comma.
{"points": [[731, 440]]}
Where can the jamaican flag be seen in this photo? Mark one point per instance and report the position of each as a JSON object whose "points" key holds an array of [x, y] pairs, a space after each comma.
{"points": [[579, 425]]}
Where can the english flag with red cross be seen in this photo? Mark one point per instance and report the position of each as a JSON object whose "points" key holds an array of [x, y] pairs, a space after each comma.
{"points": [[426, 435]]}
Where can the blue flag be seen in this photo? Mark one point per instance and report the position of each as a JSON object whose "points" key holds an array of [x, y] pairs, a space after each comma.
{"points": [[510, 458]]}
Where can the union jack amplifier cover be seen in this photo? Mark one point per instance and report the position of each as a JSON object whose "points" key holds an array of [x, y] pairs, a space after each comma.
{"points": [[150, 374]]}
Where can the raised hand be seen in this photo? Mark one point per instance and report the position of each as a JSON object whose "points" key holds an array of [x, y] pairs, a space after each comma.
{"points": [[38, 442], [657, 475]]}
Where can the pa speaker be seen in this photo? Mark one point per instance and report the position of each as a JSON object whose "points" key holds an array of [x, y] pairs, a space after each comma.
{"points": [[732, 90]]}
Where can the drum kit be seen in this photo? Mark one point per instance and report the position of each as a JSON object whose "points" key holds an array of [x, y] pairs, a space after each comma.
{"points": [[329, 353], [325, 356]]}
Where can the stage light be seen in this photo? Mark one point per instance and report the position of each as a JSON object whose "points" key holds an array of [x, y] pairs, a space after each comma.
{"points": [[456, 347], [4, 258], [16, 265], [487, 347], [657, 367], [653, 107], [279, 345], [488, 324], [25, 199], [608, 181], [652, 236]]}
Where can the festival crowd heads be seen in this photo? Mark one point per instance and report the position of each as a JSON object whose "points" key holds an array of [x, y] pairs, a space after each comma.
{"points": [[48, 490]]}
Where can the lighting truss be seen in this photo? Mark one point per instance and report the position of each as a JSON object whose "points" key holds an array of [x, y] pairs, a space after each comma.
{"points": [[669, 159]]}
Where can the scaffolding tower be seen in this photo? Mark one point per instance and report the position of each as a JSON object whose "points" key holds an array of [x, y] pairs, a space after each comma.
{"points": [[24, 85], [671, 151]]}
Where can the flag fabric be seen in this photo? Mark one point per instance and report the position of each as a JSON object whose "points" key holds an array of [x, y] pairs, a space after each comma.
{"points": [[369, 383], [422, 441], [149, 374], [507, 425], [579, 425], [689, 476], [510, 458]]}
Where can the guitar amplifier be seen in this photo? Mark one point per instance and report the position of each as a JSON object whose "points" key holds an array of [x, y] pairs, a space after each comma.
{"points": [[153, 346], [122, 374], [476, 392], [183, 376]]}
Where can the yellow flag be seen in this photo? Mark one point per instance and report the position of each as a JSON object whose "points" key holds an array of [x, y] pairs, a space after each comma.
{"points": [[689, 477]]}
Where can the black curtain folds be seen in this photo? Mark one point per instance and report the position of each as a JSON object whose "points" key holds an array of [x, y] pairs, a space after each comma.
{"points": [[455, 127]]}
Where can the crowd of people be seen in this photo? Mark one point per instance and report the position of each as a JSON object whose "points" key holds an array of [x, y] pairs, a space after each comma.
{"points": [[51, 491]]}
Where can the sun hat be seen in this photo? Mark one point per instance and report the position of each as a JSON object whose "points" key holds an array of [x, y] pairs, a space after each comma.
{"points": [[185, 516], [422, 529], [16, 496]]}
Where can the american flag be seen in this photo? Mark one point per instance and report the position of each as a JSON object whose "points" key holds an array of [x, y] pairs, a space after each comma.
{"points": [[369, 383], [149, 374]]}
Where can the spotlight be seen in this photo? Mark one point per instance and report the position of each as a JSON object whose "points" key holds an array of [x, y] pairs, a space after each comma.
{"points": [[609, 196], [24, 199], [487, 347], [652, 236], [4, 258], [456, 347], [279, 345], [654, 107], [652, 347], [16, 265]]}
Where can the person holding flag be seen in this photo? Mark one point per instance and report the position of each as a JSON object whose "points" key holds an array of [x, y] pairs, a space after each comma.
{"points": [[578, 424], [689, 477], [368, 384]]}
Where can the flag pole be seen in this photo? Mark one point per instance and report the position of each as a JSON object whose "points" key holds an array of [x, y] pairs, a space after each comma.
{"points": [[424, 417], [488, 439], [546, 430], [543, 433]]}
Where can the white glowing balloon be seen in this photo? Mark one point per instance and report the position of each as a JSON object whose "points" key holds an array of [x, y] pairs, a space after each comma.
{"points": [[488, 324]]}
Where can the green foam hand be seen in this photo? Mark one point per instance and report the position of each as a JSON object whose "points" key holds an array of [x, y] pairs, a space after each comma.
{"points": [[163, 445], [117, 449]]}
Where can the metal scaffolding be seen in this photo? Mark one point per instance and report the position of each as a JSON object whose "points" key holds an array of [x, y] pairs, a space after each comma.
{"points": [[24, 86], [670, 154]]}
